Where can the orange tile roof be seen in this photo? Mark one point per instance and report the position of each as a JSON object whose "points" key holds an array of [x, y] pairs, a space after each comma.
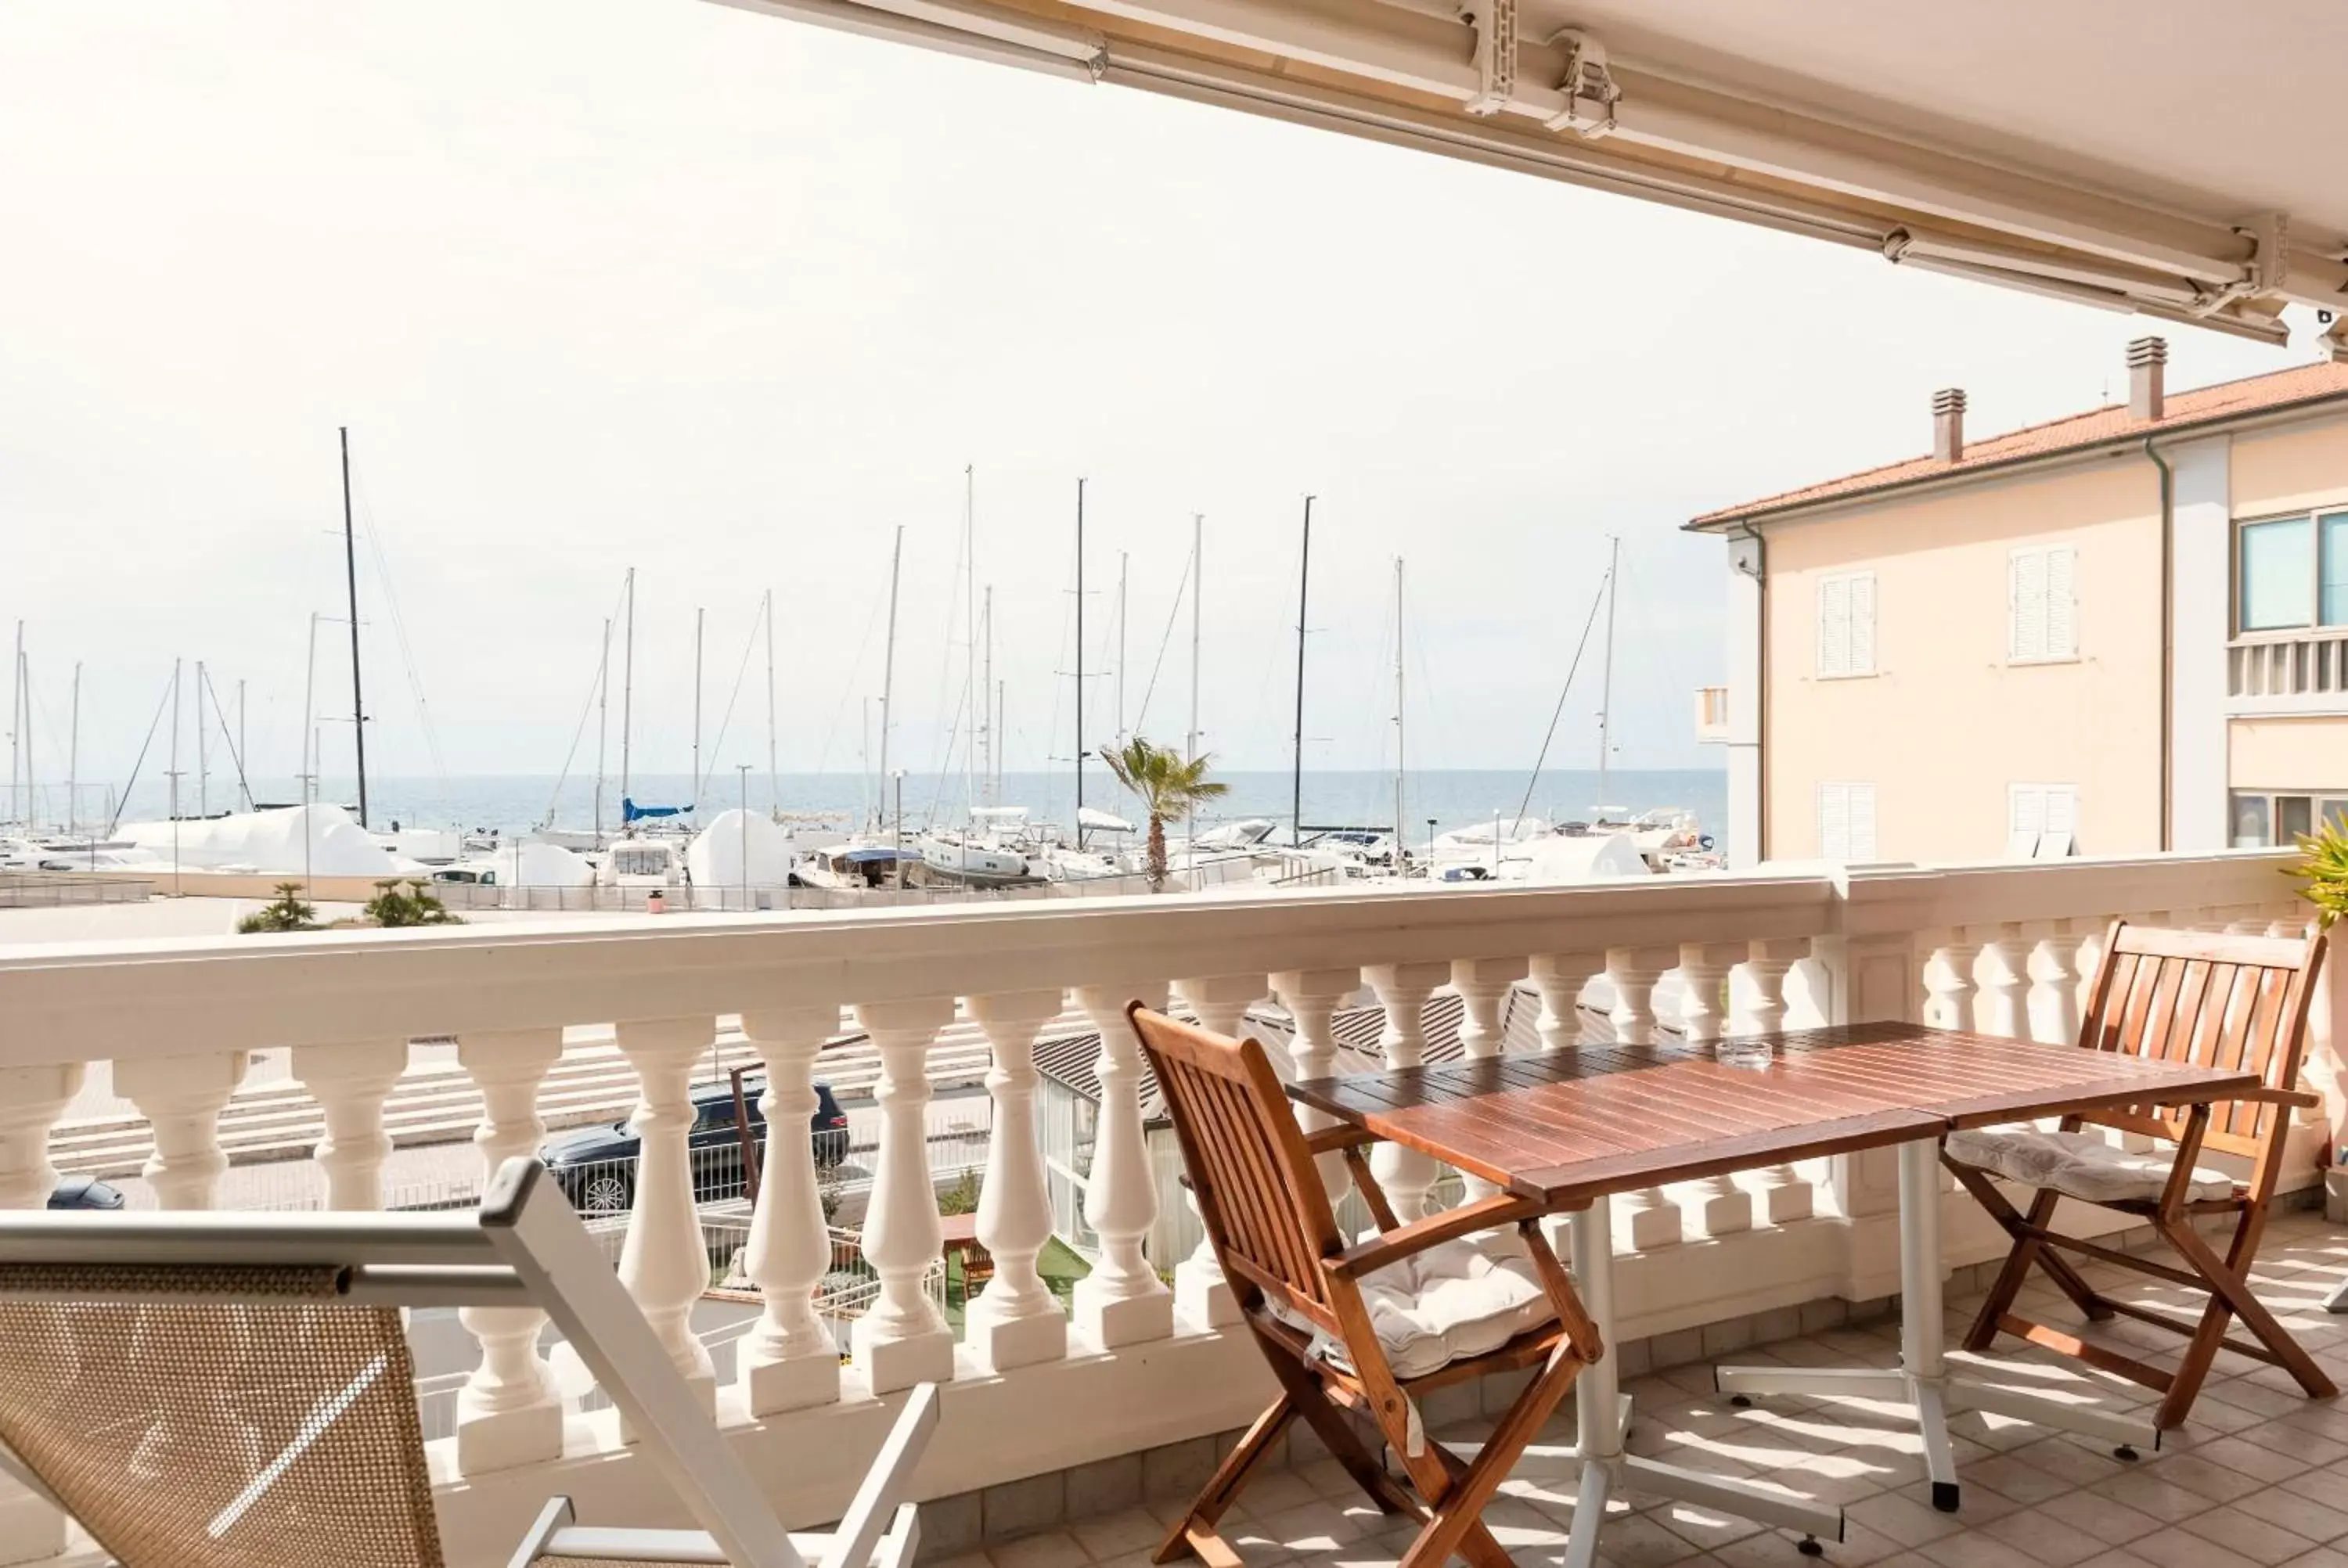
{"points": [[2202, 405]]}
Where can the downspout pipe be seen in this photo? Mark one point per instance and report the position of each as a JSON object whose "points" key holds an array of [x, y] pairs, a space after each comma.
{"points": [[2167, 643]]}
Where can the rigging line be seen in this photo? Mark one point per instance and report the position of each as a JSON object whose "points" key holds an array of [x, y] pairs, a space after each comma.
{"points": [[227, 738], [365, 508], [152, 725], [603, 672], [748, 647], [1596, 600], [848, 692], [1180, 589]]}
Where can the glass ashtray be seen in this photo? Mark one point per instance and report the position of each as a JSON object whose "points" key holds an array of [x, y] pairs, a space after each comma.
{"points": [[1753, 1054]]}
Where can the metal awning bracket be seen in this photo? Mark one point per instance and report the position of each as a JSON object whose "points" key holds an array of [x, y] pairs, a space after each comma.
{"points": [[1495, 22], [1590, 89]]}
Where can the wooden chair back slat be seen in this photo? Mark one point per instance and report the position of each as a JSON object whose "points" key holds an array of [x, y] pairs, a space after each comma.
{"points": [[2212, 999], [1260, 1194]]}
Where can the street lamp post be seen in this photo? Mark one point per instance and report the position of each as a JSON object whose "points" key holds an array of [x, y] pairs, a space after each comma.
{"points": [[1431, 848]]}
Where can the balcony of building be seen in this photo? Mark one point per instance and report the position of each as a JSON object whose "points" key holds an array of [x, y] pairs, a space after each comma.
{"points": [[1712, 715], [1076, 1414]]}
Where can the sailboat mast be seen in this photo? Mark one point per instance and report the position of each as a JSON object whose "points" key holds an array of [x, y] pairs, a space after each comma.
{"points": [[17, 725], [1606, 678], [889, 659], [975, 694], [1296, 776], [203, 759], [603, 723], [1123, 562], [244, 780], [627, 695], [73, 746], [309, 710], [351, 583], [985, 693], [1080, 663], [699, 616], [1198, 568], [774, 779], [1398, 714]]}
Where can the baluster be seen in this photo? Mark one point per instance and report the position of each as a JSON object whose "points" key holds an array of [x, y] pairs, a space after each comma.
{"points": [[903, 1340], [509, 1412], [665, 1262], [2003, 1007], [1718, 1205], [2053, 970], [350, 1082], [1017, 1321], [1201, 1293], [788, 1362], [1781, 1193], [1645, 1218], [1560, 978], [1483, 985], [30, 1101], [182, 1098], [1312, 997], [1403, 989], [1949, 987], [1122, 1301]]}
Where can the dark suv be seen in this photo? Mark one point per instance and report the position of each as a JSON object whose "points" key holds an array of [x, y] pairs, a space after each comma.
{"points": [[596, 1166]]}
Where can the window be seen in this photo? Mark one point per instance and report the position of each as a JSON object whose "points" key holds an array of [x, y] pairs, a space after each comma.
{"points": [[2261, 820], [2291, 572], [1846, 624], [2041, 822], [1847, 823], [2042, 605]]}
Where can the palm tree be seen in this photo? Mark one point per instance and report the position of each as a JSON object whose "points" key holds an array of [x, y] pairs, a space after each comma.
{"points": [[1171, 790]]}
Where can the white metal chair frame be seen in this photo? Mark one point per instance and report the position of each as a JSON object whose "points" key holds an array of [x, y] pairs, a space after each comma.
{"points": [[525, 1247]]}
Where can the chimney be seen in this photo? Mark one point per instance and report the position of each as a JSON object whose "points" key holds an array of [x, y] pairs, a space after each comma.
{"points": [[2147, 360], [1949, 424]]}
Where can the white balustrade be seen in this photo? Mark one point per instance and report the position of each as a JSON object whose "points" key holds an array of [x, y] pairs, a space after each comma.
{"points": [[903, 1340], [1405, 1174], [1780, 1192], [1951, 990], [350, 1082], [509, 1412], [1560, 978], [1716, 1203], [182, 1098], [30, 1101], [1017, 1321], [1484, 986], [1201, 1293], [665, 1261], [1312, 997], [788, 1360], [2003, 1007], [1122, 1301], [2054, 1001], [1644, 1218]]}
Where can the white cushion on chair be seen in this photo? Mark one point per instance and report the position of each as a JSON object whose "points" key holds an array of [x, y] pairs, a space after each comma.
{"points": [[2078, 1165], [1457, 1299]]}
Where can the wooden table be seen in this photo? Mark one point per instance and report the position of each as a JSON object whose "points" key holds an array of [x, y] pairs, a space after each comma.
{"points": [[1571, 1128]]}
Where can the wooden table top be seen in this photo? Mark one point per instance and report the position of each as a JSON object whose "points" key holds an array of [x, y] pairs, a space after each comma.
{"points": [[1572, 1125]]}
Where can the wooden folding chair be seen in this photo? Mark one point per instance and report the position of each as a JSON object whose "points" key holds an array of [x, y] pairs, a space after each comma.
{"points": [[1307, 1298], [2214, 1000], [235, 1390]]}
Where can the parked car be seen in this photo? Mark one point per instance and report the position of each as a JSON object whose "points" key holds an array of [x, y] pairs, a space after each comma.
{"points": [[84, 1193], [596, 1167]]}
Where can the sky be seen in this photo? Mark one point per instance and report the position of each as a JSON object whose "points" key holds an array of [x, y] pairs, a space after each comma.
{"points": [[608, 283]]}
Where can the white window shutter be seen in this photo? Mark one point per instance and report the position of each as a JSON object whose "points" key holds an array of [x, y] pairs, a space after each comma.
{"points": [[2026, 605], [1862, 822], [2025, 819], [2061, 603], [1862, 624], [1834, 626], [1834, 822], [2059, 839]]}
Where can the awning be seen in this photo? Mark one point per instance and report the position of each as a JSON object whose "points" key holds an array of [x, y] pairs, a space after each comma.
{"points": [[2154, 158]]}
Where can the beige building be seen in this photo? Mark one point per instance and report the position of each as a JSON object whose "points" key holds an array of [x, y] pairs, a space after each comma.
{"points": [[2116, 633]]}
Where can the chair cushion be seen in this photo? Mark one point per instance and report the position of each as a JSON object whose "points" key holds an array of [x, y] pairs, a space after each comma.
{"points": [[1455, 1300], [2078, 1165]]}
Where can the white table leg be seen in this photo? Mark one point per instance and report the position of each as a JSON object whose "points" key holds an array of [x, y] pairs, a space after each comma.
{"points": [[1922, 1380], [1602, 1416]]}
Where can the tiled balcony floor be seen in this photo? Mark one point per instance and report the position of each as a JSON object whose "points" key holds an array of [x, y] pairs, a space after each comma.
{"points": [[2260, 1476]]}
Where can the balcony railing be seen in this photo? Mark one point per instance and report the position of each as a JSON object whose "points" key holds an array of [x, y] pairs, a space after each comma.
{"points": [[1143, 1354], [1712, 715], [2288, 671]]}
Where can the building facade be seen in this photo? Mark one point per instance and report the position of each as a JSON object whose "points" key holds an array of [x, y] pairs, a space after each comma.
{"points": [[2116, 633]]}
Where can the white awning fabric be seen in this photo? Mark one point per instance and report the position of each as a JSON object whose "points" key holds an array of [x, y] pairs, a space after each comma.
{"points": [[2136, 155]]}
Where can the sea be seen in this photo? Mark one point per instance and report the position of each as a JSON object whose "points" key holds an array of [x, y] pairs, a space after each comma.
{"points": [[1433, 802]]}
